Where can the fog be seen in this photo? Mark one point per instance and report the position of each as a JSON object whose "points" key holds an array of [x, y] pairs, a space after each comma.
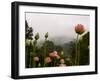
{"points": [[60, 27]]}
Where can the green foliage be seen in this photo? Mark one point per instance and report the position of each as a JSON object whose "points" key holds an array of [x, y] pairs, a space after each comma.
{"points": [[84, 49]]}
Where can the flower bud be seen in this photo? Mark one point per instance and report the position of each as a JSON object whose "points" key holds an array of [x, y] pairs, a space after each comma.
{"points": [[62, 61], [79, 29], [47, 59], [46, 35], [37, 36], [53, 54], [36, 59]]}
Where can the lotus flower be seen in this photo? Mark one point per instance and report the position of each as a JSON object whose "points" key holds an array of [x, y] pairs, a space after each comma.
{"points": [[79, 29], [36, 59], [53, 54], [62, 61], [47, 59]]}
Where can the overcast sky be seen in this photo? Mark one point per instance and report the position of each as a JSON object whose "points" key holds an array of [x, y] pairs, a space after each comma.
{"points": [[58, 25]]}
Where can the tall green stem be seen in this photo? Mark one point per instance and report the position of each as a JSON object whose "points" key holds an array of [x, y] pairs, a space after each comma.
{"points": [[30, 53], [27, 57], [45, 52], [78, 53], [76, 57], [54, 62], [34, 47]]}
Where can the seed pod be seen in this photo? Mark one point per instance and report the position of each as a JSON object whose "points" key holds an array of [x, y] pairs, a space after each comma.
{"points": [[37, 36], [46, 35]]}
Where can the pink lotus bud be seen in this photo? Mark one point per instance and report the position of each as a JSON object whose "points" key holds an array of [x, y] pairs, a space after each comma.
{"points": [[36, 59], [53, 54], [62, 61], [79, 29], [47, 59]]}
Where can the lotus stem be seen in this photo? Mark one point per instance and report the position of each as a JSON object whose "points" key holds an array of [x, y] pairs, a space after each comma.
{"points": [[76, 61], [45, 51], [78, 53]]}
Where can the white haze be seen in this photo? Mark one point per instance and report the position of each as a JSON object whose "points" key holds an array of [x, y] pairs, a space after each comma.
{"points": [[60, 27]]}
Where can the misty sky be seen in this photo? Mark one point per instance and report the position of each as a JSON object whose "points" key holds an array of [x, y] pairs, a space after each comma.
{"points": [[58, 25]]}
